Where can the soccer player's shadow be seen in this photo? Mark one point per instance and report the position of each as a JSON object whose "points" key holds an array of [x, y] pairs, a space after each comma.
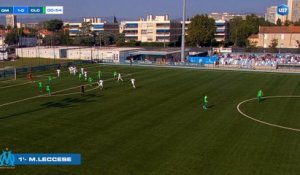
{"points": [[70, 102], [210, 106]]}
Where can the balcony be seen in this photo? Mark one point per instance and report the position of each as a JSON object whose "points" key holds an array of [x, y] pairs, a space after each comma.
{"points": [[131, 26], [131, 33], [163, 34]]}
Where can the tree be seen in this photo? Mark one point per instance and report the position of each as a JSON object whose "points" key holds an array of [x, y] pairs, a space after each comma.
{"points": [[58, 38], [273, 45], [297, 23], [234, 28], [287, 22], [115, 21], [240, 29], [85, 28], [105, 38], [298, 45], [201, 30], [53, 25], [279, 22], [251, 46], [13, 36], [120, 39]]}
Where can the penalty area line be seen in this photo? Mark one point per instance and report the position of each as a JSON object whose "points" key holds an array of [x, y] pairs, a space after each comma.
{"points": [[46, 95]]}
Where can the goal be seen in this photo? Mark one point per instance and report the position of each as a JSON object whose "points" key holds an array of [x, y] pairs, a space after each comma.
{"points": [[8, 73]]}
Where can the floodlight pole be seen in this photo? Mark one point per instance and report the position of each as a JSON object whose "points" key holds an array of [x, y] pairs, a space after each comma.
{"points": [[183, 31]]}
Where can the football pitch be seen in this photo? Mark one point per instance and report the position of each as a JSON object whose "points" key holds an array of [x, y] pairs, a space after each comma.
{"points": [[158, 128]]}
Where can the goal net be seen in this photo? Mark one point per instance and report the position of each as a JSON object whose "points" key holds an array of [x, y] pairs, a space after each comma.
{"points": [[8, 73]]}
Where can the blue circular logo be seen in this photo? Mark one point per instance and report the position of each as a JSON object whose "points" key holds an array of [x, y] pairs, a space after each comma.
{"points": [[283, 10]]}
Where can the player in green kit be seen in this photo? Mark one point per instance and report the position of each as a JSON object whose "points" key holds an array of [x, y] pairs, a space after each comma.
{"points": [[41, 86], [49, 79], [48, 89], [260, 95], [90, 80], [205, 102], [80, 76], [115, 74], [99, 74]]}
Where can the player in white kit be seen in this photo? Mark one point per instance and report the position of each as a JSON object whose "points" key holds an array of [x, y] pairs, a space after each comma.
{"points": [[132, 82], [119, 78], [58, 73], [85, 75], [74, 70], [100, 83], [70, 70]]}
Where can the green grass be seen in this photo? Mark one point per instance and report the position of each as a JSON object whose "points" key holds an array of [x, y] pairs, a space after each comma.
{"points": [[160, 127], [30, 62]]}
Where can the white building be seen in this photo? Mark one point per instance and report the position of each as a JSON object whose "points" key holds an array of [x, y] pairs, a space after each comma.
{"points": [[152, 29], [225, 16], [11, 20], [74, 28], [222, 30], [105, 54], [294, 10], [96, 23], [42, 52], [27, 25]]}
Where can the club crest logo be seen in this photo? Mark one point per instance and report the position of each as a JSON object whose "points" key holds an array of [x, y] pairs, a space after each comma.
{"points": [[7, 159], [283, 10]]}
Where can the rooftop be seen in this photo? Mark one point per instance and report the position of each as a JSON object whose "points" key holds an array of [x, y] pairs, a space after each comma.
{"points": [[279, 29]]}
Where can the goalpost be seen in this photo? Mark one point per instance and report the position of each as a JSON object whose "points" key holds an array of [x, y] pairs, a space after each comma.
{"points": [[8, 73]]}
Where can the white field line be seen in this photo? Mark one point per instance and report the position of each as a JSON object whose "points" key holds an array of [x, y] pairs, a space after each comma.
{"points": [[21, 84], [73, 93], [46, 95], [263, 122], [4, 81]]}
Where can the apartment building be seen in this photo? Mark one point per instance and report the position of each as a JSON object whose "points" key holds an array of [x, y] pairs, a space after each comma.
{"points": [[152, 29], [294, 10], [11, 20], [222, 30], [96, 25]]}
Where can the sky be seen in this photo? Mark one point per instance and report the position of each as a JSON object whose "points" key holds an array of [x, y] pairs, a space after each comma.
{"points": [[134, 9]]}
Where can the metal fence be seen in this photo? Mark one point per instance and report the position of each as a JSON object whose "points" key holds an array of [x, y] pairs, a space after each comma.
{"points": [[278, 68]]}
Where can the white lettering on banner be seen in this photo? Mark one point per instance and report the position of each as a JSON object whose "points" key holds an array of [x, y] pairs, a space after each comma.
{"points": [[50, 159], [54, 10]]}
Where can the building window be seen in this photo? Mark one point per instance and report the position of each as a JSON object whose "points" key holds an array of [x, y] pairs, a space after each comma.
{"points": [[162, 25], [144, 32], [131, 25], [98, 26], [150, 25]]}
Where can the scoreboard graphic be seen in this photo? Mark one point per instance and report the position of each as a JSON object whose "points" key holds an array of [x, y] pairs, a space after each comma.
{"points": [[26, 10]]}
